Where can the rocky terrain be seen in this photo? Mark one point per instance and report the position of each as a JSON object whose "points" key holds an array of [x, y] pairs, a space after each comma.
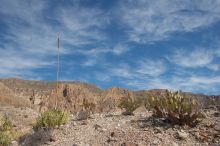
{"points": [[23, 101], [41, 94], [117, 130]]}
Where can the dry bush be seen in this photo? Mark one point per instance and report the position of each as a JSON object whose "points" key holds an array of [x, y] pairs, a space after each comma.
{"points": [[88, 106]]}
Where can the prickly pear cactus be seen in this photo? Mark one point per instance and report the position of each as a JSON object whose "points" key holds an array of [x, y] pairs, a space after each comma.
{"points": [[176, 108]]}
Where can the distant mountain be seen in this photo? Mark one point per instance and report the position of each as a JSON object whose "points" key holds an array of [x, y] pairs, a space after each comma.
{"points": [[71, 94]]}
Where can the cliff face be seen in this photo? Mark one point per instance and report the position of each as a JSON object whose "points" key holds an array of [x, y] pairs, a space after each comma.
{"points": [[70, 95]]}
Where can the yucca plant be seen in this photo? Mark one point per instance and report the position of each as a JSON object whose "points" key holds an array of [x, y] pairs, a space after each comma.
{"points": [[175, 107], [51, 118], [129, 105]]}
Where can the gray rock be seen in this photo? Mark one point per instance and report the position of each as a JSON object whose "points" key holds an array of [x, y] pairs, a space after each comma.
{"points": [[83, 115], [182, 135]]}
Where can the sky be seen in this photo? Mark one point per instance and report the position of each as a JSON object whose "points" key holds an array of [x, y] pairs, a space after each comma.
{"points": [[134, 44]]}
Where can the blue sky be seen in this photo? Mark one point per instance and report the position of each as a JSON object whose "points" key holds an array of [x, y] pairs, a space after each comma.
{"points": [[135, 44]]}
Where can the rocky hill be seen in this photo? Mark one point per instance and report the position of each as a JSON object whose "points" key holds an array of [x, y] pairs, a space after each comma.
{"points": [[42, 94], [106, 125], [8, 97]]}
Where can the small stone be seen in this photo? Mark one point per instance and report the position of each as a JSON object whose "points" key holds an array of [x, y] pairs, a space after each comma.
{"points": [[74, 123], [128, 144], [103, 129], [158, 130], [197, 135], [174, 144], [96, 126], [14, 143], [111, 140], [217, 127], [84, 123], [216, 114], [155, 142], [112, 134], [52, 139], [182, 135], [83, 115]]}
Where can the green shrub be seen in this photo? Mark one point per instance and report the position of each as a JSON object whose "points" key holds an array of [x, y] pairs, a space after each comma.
{"points": [[6, 124], [6, 133], [175, 108], [51, 119], [129, 105], [6, 138]]}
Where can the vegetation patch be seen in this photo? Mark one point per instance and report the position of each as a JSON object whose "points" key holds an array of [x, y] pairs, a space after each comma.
{"points": [[7, 135], [88, 106], [129, 105], [51, 119], [176, 108]]}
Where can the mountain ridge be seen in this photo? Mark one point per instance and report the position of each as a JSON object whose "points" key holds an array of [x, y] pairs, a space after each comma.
{"points": [[38, 93]]}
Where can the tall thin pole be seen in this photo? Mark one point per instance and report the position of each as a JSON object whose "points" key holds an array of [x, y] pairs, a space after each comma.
{"points": [[58, 68], [58, 59]]}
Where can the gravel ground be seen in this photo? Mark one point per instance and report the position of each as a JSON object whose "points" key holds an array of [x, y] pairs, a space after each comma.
{"points": [[117, 130]]}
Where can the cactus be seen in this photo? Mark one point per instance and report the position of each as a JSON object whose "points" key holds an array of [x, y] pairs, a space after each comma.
{"points": [[175, 108], [129, 105]]}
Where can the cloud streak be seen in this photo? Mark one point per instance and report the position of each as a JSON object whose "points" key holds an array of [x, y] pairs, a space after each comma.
{"points": [[149, 21]]}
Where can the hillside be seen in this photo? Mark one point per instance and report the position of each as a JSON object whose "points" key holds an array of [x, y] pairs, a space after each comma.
{"points": [[23, 101], [8, 97], [42, 93]]}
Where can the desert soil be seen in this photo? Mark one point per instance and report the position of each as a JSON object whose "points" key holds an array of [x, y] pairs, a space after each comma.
{"points": [[117, 130]]}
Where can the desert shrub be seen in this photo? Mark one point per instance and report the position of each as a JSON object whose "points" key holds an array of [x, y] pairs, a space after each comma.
{"points": [[6, 124], [88, 106], [175, 108], [6, 138], [51, 119], [129, 105], [6, 132]]}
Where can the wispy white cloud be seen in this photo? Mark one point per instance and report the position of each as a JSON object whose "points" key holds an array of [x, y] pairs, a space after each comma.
{"points": [[198, 84], [194, 58], [122, 71], [96, 54], [31, 39], [102, 77], [142, 69], [82, 26], [205, 80], [149, 21], [151, 67]]}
